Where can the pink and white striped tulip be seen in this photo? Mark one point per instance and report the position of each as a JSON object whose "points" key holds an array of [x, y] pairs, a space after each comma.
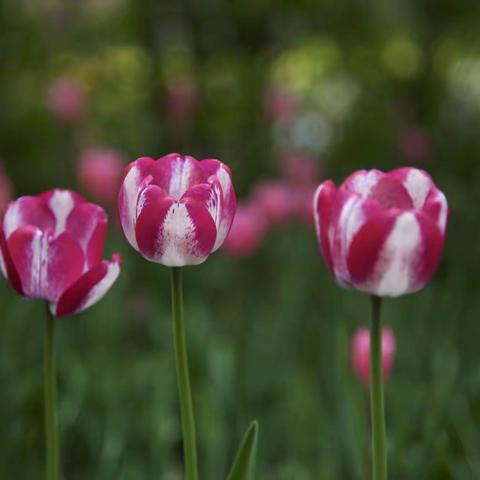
{"points": [[247, 233], [382, 233], [176, 210], [361, 353], [51, 249]]}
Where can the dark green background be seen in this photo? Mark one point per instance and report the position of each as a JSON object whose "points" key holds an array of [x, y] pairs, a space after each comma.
{"points": [[268, 336]]}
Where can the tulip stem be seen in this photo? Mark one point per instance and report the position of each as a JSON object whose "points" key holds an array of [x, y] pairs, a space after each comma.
{"points": [[379, 458], [183, 378], [50, 392]]}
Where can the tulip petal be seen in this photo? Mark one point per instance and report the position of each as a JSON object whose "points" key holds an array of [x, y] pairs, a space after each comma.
{"points": [[322, 209], [61, 203], [361, 182], [87, 223], [153, 206], [27, 211], [222, 172], [176, 173], [396, 268], [436, 208], [174, 233], [366, 246], [428, 253], [46, 266], [8, 267], [417, 182], [88, 289], [137, 174]]}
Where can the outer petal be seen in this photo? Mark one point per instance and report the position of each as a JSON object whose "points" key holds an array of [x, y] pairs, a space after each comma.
{"points": [[405, 263], [436, 208], [88, 289], [87, 223], [27, 211], [361, 182], [322, 211], [137, 176], [174, 233], [176, 173], [229, 204], [428, 253], [154, 205], [61, 203], [8, 267], [366, 247], [417, 182], [45, 266]]}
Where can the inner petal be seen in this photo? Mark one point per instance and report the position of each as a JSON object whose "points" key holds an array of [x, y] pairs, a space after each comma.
{"points": [[390, 193], [177, 173]]}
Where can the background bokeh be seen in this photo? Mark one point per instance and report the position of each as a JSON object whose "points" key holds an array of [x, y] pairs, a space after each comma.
{"points": [[349, 84]]}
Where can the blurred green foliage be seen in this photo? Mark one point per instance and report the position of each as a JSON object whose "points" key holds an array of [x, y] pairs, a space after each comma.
{"points": [[269, 336]]}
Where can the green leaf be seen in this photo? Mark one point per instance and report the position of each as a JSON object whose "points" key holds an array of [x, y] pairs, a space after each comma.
{"points": [[244, 464]]}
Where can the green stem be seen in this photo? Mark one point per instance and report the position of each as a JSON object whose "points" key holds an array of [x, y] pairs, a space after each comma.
{"points": [[376, 395], [51, 423], [183, 378]]}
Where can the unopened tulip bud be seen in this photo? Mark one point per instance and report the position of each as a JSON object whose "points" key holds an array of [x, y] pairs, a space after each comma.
{"points": [[361, 353]]}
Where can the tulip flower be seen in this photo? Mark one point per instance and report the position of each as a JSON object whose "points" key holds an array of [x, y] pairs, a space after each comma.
{"points": [[100, 172], [176, 211], [301, 170], [247, 233], [67, 100], [275, 199], [361, 353], [381, 233], [51, 249]]}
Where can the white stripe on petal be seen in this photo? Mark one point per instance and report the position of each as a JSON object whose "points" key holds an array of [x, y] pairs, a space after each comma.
{"points": [[418, 185], [12, 219], [443, 216], [364, 182], [398, 256], [128, 218], [349, 223], [61, 203], [177, 237], [97, 292], [316, 215], [180, 177], [102, 287]]}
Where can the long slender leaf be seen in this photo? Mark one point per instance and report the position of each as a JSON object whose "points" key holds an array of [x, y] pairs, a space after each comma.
{"points": [[244, 465]]}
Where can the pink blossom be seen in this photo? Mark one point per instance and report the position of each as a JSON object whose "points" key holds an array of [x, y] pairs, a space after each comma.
{"points": [[382, 233], [247, 233], [100, 172], [361, 353], [275, 199], [176, 210], [51, 249], [301, 170], [67, 100]]}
